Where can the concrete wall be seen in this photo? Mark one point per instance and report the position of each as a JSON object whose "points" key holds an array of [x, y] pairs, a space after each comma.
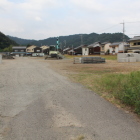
{"points": [[0, 58], [128, 57]]}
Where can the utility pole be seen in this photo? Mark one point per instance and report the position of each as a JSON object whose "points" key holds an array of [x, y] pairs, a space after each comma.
{"points": [[72, 50], [65, 43], [123, 35], [81, 39], [57, 43]]}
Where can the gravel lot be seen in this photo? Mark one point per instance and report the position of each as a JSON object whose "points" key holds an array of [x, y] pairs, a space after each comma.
{"points": [[37, 102]]}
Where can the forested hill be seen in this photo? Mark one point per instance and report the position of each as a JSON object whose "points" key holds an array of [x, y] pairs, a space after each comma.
{"points": [[75, 40], [21, 41], [5, 41]]}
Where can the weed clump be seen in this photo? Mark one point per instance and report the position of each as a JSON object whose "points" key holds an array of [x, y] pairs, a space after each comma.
{"points": [[125, 87]]}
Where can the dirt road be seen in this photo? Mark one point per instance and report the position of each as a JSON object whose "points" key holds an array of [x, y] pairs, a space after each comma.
{"points": [[37, 103]]}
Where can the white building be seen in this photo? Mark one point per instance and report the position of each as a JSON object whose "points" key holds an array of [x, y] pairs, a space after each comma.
{"points": [[117, 47]]}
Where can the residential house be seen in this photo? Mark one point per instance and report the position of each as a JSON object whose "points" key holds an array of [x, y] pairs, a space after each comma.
{"points": [[65, 51], [37, 50], [80, 49], [45, 49], [105, 46], [134, 44], [117, 47], [94, 48], [85, 50], [19, 50], [30, 50], [71, 52]]}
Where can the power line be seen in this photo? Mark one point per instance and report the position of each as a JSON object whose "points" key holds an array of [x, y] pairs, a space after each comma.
{"points": [[133, 22], [108, 28]]}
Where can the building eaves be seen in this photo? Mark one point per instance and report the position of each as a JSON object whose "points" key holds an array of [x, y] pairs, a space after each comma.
{"points": [[94, 44], [115, 43], [135, 38], [19, 47]]}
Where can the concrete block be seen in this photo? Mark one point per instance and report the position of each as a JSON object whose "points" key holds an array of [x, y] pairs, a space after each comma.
{"points": [[77, 60], [123, 60], [0, 58], [132, 59]]}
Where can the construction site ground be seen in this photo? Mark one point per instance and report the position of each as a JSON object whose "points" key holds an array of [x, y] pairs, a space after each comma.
{"points": [[38, 101]]}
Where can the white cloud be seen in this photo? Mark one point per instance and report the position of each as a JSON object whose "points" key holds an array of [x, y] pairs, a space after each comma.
{"points": [[39, 19], [92, 5]]}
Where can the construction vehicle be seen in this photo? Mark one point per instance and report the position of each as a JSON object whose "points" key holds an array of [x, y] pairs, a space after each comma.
{"points": [[54, 51]]}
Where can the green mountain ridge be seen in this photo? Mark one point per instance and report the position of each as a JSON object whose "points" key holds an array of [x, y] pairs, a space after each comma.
{"points": [[6, 42], [73, 40]]}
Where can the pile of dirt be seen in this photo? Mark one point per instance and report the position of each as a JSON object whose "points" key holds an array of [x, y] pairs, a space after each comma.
{"points": [[4, 56]]}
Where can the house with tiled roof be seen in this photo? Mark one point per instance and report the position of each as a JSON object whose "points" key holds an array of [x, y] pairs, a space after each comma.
{"points": [[117, 47], [94, 48], [134, 44], [105, 48]]}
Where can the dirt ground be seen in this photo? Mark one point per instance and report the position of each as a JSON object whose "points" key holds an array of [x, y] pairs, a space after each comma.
{"points": [[37, 103], [66, 66]]}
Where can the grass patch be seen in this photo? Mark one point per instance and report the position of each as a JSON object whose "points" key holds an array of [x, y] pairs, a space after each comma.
{"points": [[80, 138], [125, 87], [122, 89], [107, 57]]}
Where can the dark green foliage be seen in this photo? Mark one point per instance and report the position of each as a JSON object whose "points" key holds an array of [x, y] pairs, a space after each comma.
{"points": [[74, 40], [125, 87], [20, 41], [5, 41]]}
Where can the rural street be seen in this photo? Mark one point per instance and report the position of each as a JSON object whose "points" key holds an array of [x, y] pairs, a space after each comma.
{"points": [[37, 103]]}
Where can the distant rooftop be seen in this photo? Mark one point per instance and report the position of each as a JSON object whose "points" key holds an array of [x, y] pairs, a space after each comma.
{"points": [[134, 38], [115, 43], [94, 44], [19, 47]]}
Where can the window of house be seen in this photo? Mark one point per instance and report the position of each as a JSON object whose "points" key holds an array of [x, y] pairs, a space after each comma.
{"points": [[138, 43], [86, 49], [135, 43]]}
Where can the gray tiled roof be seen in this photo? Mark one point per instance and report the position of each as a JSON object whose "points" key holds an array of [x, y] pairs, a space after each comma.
{"points": [[115, 43], [19, 47], [78, 47], [104, 43], [94, 44], [81, 46], [66, 49], [134, 38]]}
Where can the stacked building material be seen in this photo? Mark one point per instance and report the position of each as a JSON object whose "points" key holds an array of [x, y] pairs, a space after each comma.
{"points": [[93, 60], [89, 60], [77, 60]]}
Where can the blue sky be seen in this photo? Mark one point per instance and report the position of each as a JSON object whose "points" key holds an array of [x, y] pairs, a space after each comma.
{"points": [[40, 19]]}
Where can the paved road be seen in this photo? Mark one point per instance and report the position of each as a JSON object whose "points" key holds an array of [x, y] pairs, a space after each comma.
{"points": [[37, 103]]}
